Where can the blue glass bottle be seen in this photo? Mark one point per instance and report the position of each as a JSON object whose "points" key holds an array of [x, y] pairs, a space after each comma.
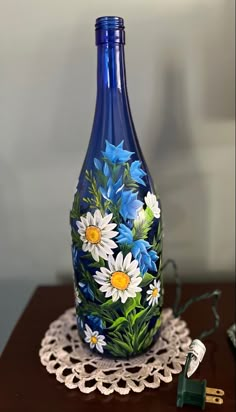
{"points": [[116, 219]]}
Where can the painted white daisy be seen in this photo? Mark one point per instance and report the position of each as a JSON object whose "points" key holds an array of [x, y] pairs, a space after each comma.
{"points": [[96, 233], [152, 202], [154, 293], [94, 339], [122, 278], [78, 300]]}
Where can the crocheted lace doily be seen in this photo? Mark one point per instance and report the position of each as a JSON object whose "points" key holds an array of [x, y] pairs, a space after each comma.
{"points": [[64, 354]]}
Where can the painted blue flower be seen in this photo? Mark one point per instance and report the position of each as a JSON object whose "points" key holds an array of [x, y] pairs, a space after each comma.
{"points": [[94, 322], [116, 154], [130, 205], [140, 249], [154, 257], [86, 290], [113, 190], [97, 164], [137, 173], [75, 257], [106, 170], [125, 235], [145, 257], [80, 323]]}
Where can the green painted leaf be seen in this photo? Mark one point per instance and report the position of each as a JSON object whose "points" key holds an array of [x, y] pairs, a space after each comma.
{"points": [[161, 300], [109, 304], [157, 325], [98, 265], [88, 278], [155, 312], [118, 323], [115, 171], [159, 230], [128, 348], [114, 208], [125, 249], [131, 304], [149, 215], [159, 248], [142, 336], [143, 224], [147, 342], [86, 256], [144, 316], [141, 314], [75, 211], [116, 350], [94, 309], [95, 200], [157, 242], [94, 265], [76, 238], [116, 334], [142, 331], [148, 278], [129, 338], [144, 339], [101, 178]]}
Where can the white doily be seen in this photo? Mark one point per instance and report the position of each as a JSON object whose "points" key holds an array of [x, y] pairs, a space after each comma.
{"points": [[64, 354]]}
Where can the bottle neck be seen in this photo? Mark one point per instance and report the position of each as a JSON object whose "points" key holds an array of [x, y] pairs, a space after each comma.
{"points": [[112, 118], [112, 113], [110, 69]]}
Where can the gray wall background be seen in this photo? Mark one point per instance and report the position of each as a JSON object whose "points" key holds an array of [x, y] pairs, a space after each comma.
{"points": [[180, 71]]}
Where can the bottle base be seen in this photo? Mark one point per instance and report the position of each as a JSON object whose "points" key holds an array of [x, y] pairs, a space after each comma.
{"points": [[106, 354]]}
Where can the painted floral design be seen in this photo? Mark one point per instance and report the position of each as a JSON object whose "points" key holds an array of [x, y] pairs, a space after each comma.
{"points": [[130, 205], [152, 203], [137, 173], [116, 253], [116, 154], [154, 293], [121, 279], [77, 296], [94, 339], [96, 234], [141, 250], [86, 290]]}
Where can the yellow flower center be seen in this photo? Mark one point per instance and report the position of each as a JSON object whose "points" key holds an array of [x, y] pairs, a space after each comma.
{"points": [[93, 234], [155, 292], [120, 280], [94, 340]]}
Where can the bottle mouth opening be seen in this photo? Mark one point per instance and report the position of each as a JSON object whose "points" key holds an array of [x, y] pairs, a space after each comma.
{"points": [[109, 30], [109, 23]]}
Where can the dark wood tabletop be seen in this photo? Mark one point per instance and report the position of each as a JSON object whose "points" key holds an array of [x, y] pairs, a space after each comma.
{"points": [[26, 386]]}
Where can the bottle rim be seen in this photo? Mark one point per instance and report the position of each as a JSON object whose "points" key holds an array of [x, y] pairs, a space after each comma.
{"points": [[109, 23]]}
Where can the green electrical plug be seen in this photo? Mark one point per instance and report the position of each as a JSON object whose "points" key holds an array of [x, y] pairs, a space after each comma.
{"points": [[190, 391], [194, 392]]}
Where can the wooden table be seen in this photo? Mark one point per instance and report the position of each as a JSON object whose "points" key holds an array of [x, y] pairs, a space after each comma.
{"points": [[26, 386]]}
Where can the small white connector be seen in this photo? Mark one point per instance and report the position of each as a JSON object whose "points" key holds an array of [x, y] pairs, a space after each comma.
{"points": [[198, 350]]}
